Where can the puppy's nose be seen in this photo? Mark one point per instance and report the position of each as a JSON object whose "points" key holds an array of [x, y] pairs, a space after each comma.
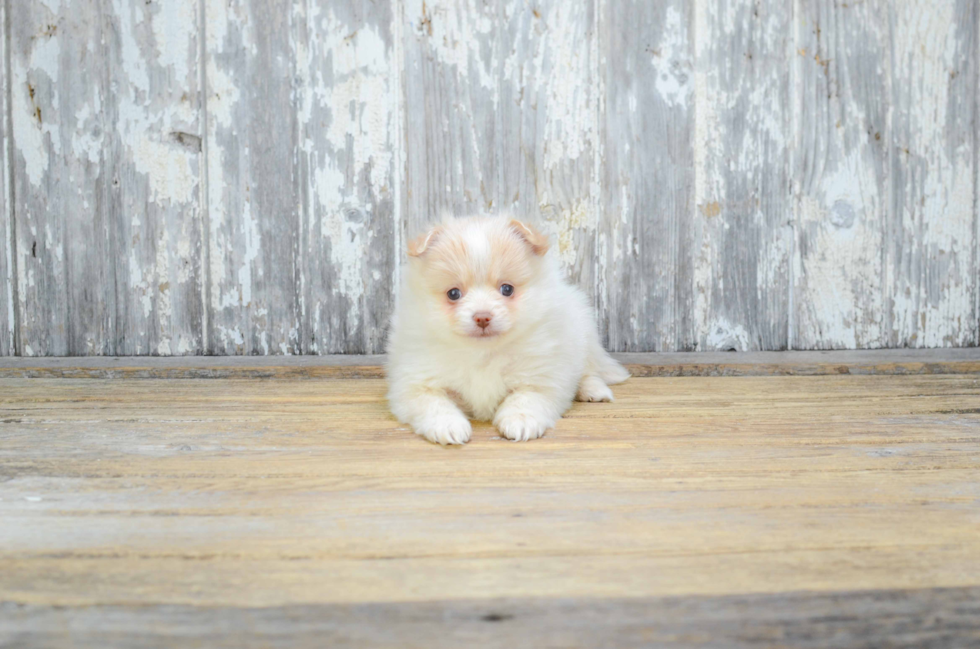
{"points": [[482, 319]]}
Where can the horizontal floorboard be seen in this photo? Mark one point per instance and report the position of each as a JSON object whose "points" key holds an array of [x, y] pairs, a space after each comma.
{"points": [[833, 510], [943, 617]]}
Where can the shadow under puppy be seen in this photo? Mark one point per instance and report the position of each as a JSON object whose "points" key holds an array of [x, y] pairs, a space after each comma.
{"points": [[486, 327]]}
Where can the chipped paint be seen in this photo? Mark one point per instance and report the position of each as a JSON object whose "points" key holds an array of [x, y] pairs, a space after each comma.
{"points": [[888, 152], [934, 299], [34, 135], [454, 31], [348, 86], [8, 322], [671, 61]]}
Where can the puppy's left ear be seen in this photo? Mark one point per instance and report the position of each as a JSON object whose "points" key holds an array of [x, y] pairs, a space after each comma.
{"points": [[418, 246], [537, 241]]}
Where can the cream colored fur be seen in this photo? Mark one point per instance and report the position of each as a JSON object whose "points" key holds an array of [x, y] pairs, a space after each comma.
{"points": [[540, 350]]}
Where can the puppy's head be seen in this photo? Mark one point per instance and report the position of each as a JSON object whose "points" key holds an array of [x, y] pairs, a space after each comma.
{"points": [[475, 274]]}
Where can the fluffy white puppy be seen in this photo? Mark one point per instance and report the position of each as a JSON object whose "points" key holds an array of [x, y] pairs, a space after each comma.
{"points": [[486, 327]]}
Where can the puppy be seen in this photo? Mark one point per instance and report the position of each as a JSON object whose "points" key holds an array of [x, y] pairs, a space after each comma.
{"points": [[485, 327]]}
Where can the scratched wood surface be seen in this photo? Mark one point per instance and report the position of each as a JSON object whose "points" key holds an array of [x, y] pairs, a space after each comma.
{"points": [[646, 239], [743, 218], [7, 325], [932, 268], [941, 617], [203, 176], [349, 131], [843, 176], [548, 136], [451, 62], [150, 501], [254, 181], [152, 114], [105, 109], [61, 167]]}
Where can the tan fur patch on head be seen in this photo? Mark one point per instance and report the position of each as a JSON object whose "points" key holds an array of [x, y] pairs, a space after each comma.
{"points": [[447, 264], [509, 258], [475, 251]]}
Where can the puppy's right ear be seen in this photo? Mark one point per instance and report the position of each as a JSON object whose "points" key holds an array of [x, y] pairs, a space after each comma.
{"points": [[418, 246]]}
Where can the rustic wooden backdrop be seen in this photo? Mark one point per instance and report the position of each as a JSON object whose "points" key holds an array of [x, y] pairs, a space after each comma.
{"points": [[240, 176]]}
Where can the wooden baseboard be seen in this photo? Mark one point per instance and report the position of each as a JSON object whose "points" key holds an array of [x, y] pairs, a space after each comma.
{"points": [[789, 363]]}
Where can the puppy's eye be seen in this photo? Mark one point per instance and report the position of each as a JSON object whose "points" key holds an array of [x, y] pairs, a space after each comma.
{"points": [[454, 294], [506, 290]]}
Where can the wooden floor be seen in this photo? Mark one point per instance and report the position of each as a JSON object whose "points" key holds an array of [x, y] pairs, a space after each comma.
{"points": [[695, 511]]}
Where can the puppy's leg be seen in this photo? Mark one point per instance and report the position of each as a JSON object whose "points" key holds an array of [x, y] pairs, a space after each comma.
{"points": [[525, 415], [433, 415], [593, 388]]}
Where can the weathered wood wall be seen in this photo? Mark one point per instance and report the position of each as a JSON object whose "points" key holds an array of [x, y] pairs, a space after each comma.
{"points": [[239, 176]]}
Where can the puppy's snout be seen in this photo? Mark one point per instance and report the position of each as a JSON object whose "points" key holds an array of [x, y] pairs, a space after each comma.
{"points": [[482, 319]]}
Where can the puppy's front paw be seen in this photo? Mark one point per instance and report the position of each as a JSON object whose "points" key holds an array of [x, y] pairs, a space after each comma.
{"points": [[521, 426], [593, 388], [445, 429]]}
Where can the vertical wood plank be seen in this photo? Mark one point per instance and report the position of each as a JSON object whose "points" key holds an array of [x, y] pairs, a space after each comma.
{"points": [[743, 205], [347, 121], [645, 251], [153, 113], [451, 101], [254, 182], [7, 318], [62, 178], [547, 112], [933, 281], [106, 147], [842, 173]]}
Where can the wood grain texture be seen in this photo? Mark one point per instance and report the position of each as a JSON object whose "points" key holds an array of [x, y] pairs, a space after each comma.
{"points": [[843, 175], [548, 141], [934, 157], [645, 245], [943, 617], [7, 273], [154, 123], [202, 176], [349, 150], [155, 500], [62, 178], [880, 362], [452, 96], [255, 186], [106, 158], [743, 224]]}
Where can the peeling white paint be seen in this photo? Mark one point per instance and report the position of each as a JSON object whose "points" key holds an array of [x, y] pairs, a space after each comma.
{"points": [[232, 336], [252, 240], [723, 335], [357, 98], [167, 169], [223, 94], [174, 35], [348, 88], [571, 221], [348, 85], [934, 302], [671, 62], [35, 132], [455, 30], [87, 140]]}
